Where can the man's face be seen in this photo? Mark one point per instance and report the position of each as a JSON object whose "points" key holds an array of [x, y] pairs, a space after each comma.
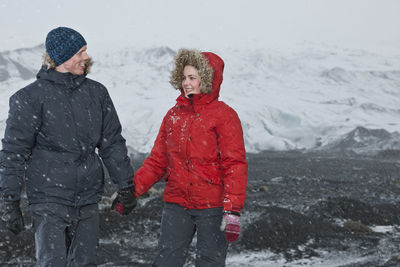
{"points": [[76, 64]]}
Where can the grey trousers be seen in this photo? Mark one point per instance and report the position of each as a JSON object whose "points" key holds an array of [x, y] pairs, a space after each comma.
{"points": [[178, 226], [64, 235]]}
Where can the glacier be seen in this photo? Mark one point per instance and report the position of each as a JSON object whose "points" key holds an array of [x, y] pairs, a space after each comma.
{"points": [[302, 97]]}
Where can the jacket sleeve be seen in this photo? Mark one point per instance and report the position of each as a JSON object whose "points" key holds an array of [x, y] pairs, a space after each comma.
{"points": [[112, 148], [233, 161], [154, 167], [22, 126]]}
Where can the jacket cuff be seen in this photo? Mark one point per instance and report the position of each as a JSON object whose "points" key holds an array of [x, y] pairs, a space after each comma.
{"points": [[126, 184], [229, 206], [232, 212]]}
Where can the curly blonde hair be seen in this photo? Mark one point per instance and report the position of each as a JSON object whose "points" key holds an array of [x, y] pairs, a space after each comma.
{"points": [[196, 59], [50, 64]]}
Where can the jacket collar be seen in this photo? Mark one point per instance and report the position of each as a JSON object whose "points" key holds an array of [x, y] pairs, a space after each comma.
{"points": [[69, 80]]}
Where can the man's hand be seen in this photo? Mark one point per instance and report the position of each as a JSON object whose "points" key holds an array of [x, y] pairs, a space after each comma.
{"points": [[125, 201], [231, 225], [12, 216]]}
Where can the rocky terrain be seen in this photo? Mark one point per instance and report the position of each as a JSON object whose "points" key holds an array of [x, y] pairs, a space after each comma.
{"points": [[302, 209]]}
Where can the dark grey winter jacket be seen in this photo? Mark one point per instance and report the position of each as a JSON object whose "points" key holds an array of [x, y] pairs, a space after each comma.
{"points": [[53, 129]]}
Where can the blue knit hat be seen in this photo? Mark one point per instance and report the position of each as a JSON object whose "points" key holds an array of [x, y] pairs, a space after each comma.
{"points": [[63, 43]]}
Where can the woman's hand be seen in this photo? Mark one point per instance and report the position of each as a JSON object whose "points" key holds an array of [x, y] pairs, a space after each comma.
{"points": [[231, 225], [125, 201]]}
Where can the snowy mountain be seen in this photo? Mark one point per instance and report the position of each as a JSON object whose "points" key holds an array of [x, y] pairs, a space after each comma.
{"points": [[365, 141], [301, 97], [12, 63]]}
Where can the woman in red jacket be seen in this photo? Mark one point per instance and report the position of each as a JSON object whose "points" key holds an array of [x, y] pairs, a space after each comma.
{"points": [[200, 152]]}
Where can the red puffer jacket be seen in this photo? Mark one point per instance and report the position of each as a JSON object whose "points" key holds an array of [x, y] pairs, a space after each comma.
{"points": [[200, 151]]}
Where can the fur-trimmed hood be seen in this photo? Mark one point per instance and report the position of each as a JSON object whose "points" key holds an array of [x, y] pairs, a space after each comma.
{"points": [[209, 66], [50, 64]]}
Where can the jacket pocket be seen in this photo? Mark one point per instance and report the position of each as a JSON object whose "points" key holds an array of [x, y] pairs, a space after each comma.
{"points": [[212, 180], [211, 175], [36, 174]]}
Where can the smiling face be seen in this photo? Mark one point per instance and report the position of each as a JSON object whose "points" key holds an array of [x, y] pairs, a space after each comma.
{"points": [[76, 64], [191, 81]]}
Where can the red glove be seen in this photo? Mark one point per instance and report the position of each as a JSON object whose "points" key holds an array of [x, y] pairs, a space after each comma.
{"points": [[119, 208], [231, 225]]}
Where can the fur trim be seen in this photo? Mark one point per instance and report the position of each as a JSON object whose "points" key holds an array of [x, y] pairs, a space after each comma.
{"points": [[199, 61], [50, 64]]}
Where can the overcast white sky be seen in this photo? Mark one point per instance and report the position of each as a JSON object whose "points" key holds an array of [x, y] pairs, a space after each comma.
{"points": [[210, 23]]}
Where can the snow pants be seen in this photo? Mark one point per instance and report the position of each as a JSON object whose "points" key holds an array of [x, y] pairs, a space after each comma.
{"points": [[178, 226], [64, 235]]}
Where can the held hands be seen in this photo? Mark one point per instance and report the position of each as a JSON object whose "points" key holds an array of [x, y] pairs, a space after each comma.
{"points": [[231, 225], [12, 217], [125, 201]]}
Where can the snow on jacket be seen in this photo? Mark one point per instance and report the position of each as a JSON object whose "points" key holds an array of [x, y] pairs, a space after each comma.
{"points": [[54, 127], [199, 150]]}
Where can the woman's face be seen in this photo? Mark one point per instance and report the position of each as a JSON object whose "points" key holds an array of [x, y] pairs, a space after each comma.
{"points": [[191, 81]]}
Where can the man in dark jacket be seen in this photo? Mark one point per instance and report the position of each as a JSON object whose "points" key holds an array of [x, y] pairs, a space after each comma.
{"points": [[57, 130]]}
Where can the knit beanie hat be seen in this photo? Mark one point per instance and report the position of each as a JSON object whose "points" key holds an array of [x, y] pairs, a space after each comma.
{"points": [[63, 43]]}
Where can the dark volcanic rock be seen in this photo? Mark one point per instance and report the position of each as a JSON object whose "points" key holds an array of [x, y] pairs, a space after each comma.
{"points": [[393, 262], [347, 208], [296, 204], [281, 229], [298, 236]]}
